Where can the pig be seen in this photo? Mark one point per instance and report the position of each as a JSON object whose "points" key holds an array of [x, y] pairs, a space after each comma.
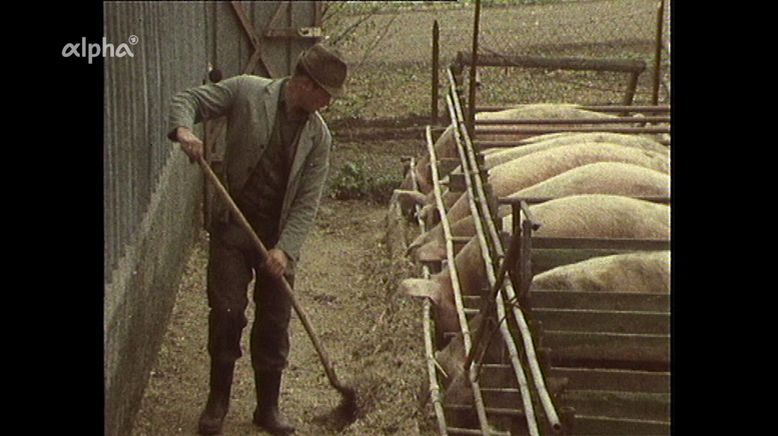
{"points": [[410, 198], [445, 146], [546, 142], [644, 272], [532, 111], [501, 156], [526, 171], [614, 178], [645, 141], [452, 357], [591, 215]]}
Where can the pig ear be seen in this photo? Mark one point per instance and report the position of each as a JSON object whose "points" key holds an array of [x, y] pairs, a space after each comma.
{"points": [[408, 198], [431, 251], [418, 242], [421, 288], [426, 210]]}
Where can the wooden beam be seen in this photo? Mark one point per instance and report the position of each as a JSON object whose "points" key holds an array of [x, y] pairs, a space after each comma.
{"points": [[562, 129], [596, 108], [277, 13], [614, 379], [561, 63], [245, 23], [543, 298], [610, 321], [618, 120], [294, 32], [536, 200], [620, 405], [256, 56], [632, 350], [600, 243]]}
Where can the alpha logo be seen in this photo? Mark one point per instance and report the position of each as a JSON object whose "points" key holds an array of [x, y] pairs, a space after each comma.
{"points": [[93, 50]]}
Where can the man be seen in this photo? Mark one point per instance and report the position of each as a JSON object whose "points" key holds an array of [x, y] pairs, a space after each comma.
{"points": [[276, 162]]}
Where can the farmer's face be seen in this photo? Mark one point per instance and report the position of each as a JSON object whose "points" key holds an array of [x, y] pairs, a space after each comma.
{"points": [[313, 97]]}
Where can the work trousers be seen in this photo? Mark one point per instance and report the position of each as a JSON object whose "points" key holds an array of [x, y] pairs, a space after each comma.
{"points": [[233, 261]]}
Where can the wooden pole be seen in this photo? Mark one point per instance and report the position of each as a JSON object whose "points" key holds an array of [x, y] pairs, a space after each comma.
{"points": [[556, 63], [658, 55], [632, 86], [435, 70], [473, 63]]}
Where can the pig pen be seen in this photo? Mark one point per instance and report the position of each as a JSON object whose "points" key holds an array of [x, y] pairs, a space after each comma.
{"points": [[558, 362]]}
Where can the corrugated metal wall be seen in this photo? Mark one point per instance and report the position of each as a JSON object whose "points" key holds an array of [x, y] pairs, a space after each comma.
{"points": [[169, 57], [151, 191]]}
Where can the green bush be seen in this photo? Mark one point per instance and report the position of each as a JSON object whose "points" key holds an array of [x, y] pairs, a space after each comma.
{"points": [[355, 181]]}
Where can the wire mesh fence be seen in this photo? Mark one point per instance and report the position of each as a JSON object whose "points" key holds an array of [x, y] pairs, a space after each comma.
{"points": [[384, 39]]}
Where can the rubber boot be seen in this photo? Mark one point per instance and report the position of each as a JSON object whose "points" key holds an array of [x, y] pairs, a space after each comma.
{"points": [[266, 415], [212, 418]]}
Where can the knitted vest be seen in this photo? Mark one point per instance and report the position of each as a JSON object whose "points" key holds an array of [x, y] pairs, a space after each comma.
{"points": [[262, 196]]}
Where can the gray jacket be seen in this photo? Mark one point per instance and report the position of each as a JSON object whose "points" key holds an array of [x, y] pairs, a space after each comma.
{"points": [[250, 105]]}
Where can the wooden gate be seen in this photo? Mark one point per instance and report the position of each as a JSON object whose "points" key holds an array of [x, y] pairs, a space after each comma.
{"points": [[261, 38]]}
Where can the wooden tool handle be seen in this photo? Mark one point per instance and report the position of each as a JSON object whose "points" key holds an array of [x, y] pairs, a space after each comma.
{"points": [[287, 288]]}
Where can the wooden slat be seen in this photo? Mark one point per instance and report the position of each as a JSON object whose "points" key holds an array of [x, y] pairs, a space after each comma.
{"points": [[600, 300], [245, 23], [548, 243], [603, 321], [503, 397], [596, 108], [459, 408], [606, 426], [516, 417], [274, 21], [248, 28], [471, 301], [482, 144], [555, 63], [610, 348], [457, 430], [628, 405], [549, 129], [629, 108], [536, 200], [572, 121], [614, 379], [496, 375]]}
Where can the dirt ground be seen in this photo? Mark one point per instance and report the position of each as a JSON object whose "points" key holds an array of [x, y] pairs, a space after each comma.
{"points": [[346, 283]]}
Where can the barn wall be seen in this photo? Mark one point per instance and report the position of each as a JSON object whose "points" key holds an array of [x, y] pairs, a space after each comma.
{"points": [[151, 191], [152, 194]]}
